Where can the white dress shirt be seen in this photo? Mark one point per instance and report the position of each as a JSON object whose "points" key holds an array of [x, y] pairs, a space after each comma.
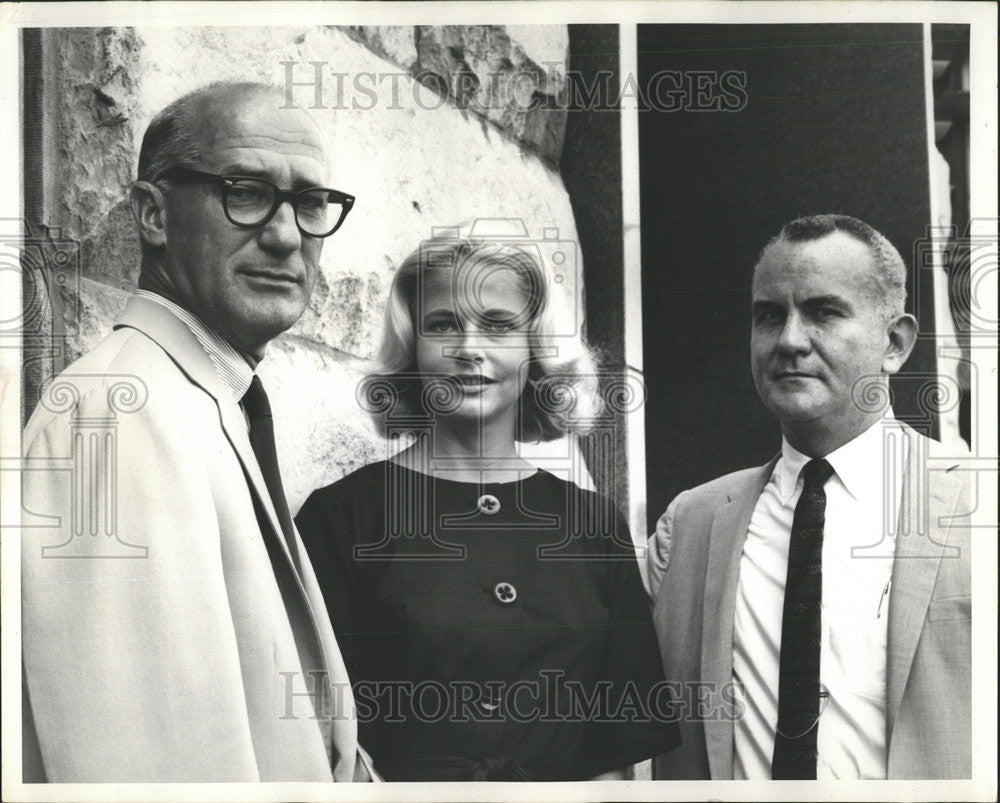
{"points": [[863, 498]]}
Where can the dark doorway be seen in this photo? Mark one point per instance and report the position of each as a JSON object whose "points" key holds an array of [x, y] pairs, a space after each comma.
{"points": [[832, 120]]}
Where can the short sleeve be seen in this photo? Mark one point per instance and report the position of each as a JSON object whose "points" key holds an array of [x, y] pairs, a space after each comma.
{"points": [[638, 722], [658, 549]]}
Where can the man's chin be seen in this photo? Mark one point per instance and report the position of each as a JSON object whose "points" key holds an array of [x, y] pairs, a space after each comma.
{"points": [[794, 409], [253, 335]]}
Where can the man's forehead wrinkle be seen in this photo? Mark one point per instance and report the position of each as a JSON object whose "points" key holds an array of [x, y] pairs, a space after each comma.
{"points": [[298, 143], [253, 116]]}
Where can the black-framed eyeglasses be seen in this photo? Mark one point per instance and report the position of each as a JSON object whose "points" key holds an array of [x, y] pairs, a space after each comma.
{"points": [[250, 201]]}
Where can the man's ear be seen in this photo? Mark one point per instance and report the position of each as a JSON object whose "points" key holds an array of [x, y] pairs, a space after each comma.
{"points": [[149, 211], [902, 334]]}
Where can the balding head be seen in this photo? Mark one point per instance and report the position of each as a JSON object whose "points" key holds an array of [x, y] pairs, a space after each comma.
{"points": [[248, 280], [182, 132]]}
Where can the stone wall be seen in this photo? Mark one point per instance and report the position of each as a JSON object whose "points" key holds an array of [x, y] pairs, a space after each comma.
{"points": [[429, 126]]}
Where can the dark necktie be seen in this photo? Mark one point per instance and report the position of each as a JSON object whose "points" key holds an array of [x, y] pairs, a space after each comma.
{"points": [[795, 750], [307, 642], [258, 410]]}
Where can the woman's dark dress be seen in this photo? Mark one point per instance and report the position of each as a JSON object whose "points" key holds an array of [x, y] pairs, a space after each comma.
{"points": [[512, 645]]}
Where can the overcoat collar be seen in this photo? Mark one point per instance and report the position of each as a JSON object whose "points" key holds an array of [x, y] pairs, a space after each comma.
{"points": [[180, 344]]}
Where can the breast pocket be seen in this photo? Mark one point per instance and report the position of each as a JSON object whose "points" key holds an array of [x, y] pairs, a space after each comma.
{"points": [[950, 609], [862, 661], [857, 636]]}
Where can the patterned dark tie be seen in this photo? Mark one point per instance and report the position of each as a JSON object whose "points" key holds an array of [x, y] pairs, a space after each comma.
{"points": [[262, 440], [795, 750]]}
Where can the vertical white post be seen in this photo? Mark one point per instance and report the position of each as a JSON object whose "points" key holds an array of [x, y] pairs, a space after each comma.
{"points": [[635, 422], [632, 278], [947, 352]]}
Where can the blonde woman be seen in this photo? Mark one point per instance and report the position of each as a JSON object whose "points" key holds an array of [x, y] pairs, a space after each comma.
{"points": [[491, 614]]}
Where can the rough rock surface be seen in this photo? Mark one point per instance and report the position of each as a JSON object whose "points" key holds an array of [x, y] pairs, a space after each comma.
{"points": [[418, 157], [490, 73], [90, 321], [320, 431]]}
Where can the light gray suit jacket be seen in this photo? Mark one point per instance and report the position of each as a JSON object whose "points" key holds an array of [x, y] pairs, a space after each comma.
{"points": [[157, 631], [694, 561]]}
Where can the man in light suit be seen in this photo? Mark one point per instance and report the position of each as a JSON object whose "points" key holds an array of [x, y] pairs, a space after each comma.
{"points": [[173, 629], [818, 608]]}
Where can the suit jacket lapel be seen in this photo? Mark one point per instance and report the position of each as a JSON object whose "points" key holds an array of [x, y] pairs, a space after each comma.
{"points": [[729, 530], [920, 543]]}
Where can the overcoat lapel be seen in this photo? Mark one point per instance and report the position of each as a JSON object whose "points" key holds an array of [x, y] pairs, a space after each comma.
{"points": [[174, 337], [315, 655], [177, 340], [729, 531]]}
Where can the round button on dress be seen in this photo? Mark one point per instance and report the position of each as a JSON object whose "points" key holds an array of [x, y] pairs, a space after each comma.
{"points": [[488, 504], [505, 593]]}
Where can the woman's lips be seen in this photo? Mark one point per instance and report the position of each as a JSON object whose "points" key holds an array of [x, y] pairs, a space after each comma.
{"points": [[472, 380], [472, 384]]}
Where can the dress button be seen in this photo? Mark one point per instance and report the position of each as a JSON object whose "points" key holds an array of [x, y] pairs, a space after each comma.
{"points": [[488, 504], [505, 593]]}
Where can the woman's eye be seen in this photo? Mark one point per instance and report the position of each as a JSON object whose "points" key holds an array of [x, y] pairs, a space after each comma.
{"points": [[441, 327], [498, 327]]}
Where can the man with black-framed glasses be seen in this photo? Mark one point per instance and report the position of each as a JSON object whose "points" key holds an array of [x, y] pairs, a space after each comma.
{"points": [[251, 201], [188, 640]]}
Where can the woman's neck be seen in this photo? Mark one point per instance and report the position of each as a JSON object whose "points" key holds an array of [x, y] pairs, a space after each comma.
{"points": [[467, 455]]}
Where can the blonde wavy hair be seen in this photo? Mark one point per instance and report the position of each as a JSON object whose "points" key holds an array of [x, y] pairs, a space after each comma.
{"points": [[562, 387]]}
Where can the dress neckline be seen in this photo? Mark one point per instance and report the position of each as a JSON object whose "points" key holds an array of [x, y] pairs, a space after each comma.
{"points": [[538, 472]]}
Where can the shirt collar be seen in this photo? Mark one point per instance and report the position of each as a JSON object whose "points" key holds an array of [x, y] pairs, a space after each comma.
{"points": [[857, 464], [234, 369]]}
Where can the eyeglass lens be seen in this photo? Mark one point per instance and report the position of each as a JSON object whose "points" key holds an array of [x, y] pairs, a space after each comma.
{"points": [[251, 203]]}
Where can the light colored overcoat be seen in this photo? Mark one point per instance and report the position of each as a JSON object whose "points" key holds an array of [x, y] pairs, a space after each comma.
{"points": [[157, 633]]}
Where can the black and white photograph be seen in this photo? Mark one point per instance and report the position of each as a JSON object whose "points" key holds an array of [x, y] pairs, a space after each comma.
{"points": [[499, 401]]}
